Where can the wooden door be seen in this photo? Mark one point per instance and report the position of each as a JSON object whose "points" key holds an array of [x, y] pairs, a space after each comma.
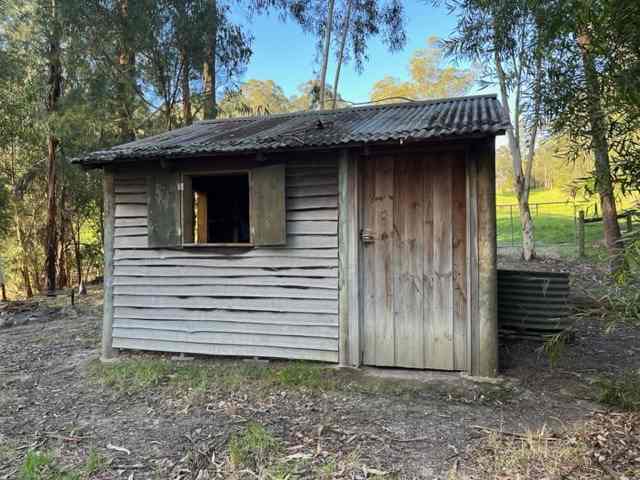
{"points": [[414, 261]]}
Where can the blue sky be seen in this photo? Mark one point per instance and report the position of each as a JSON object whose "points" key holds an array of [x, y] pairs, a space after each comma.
{"points": [[285, 54]]}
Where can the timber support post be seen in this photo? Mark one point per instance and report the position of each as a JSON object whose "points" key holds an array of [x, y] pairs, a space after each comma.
{"points": [[581, 239], [109, 227], [485, 332], [348, 247]]}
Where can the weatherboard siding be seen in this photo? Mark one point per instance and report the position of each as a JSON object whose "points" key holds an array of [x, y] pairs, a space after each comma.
{"points": [[267, 302]]}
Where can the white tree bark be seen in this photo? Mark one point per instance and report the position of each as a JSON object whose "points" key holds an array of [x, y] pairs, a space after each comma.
{"points": [[343, 42], [325, 52], [522, 179]]}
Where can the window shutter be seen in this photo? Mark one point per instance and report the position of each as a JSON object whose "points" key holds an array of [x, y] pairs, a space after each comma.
{"points": [[268, 207], [164, 209], [187, 209]]}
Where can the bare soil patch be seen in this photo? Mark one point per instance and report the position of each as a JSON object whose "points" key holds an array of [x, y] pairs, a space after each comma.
{"points": [[150, 417]]}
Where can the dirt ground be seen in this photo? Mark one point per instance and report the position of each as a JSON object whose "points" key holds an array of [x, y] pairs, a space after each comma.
{"points": [[362, 426]]}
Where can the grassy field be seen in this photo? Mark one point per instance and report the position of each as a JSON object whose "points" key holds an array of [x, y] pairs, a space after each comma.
{"points": [[554, 216]]}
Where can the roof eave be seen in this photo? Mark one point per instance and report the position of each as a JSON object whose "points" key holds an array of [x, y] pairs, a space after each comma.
{"points": [[96, 161]]}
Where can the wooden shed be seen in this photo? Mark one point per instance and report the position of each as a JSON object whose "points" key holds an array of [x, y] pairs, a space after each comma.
{"points": [[359, 236]]}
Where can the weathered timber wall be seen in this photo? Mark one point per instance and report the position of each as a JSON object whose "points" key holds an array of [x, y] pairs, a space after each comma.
{"points": [[268, 302]]}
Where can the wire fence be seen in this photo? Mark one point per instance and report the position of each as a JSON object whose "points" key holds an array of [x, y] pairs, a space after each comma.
{"points": [[555, 224]]}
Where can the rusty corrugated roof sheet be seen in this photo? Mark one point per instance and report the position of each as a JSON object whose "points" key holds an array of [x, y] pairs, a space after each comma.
{"points": [[414, 121]]}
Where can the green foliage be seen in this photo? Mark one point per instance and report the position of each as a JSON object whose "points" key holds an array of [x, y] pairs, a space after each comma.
{"points": [[5, 210], [553, 169], [129, 69], [622, 392], [555, 345], [573, 44], [255, 97], [430, 78], [621, 303], [41, 466], [369, 19], [96, 463], [253, 448]]}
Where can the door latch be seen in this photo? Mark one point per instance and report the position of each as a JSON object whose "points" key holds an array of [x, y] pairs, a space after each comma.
{"points": [[367, 235]]}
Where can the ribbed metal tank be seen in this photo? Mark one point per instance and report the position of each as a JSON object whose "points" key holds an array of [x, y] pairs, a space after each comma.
{"points": [[533, 305]]}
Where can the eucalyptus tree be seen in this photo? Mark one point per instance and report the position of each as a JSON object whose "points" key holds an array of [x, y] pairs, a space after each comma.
{"points": [[356, 22], [359, 21], [504, 38], [50, 14], [429, 77], [326, 45], [592, 93]]}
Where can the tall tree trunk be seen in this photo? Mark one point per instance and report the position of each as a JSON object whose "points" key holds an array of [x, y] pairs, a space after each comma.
{"points": [[209, 68], [77, 253], [53, 97], [126, 82], [600, 146], [63, 277], [28, 291], [185, 87], [75, 238], [24, 268], [325, 52], [521, 179], [343, 42]]}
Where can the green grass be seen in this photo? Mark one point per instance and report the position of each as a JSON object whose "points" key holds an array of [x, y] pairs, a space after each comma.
{"points": [[554, 224], [254, 447], [41, 466], [38, 465], [131, 376], [622, 392], [136, 375], [96, 463]]}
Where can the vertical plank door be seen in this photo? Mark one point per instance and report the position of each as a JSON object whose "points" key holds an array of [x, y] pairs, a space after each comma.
{"points": [[414, 269]]}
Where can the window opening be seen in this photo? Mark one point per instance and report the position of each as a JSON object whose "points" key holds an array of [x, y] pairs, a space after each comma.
{"points": [[221, 209]]}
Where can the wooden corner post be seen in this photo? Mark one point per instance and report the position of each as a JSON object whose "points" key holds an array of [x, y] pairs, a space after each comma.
{"points": [[109, 224], [348, 239], [485, 332]]}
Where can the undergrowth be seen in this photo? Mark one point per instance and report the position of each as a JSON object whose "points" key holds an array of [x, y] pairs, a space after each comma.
{"points": [[254, 448], [621, 303], [622, 392], [41, 466], [255, 452]]}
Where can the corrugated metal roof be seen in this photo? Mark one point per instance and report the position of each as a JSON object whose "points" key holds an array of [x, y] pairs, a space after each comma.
{"points": [[414, 121]]}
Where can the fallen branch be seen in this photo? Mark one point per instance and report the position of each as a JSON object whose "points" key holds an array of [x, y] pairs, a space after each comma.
{"points": [[409, 440], [70, 438], [520, 436]]}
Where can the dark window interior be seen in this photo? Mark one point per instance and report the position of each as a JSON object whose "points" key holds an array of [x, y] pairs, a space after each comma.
{"points": [[227, 208]]}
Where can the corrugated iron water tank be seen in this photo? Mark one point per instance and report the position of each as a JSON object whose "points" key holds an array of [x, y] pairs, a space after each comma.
{"points": [[533, 305]]}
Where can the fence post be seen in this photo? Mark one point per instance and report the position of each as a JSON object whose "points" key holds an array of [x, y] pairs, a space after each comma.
{"points": [[575, 221], [629, 222], [581, 234], [513, 240]]}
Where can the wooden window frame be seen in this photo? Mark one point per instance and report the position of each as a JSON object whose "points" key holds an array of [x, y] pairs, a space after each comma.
{"points": [[221, 173]]}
